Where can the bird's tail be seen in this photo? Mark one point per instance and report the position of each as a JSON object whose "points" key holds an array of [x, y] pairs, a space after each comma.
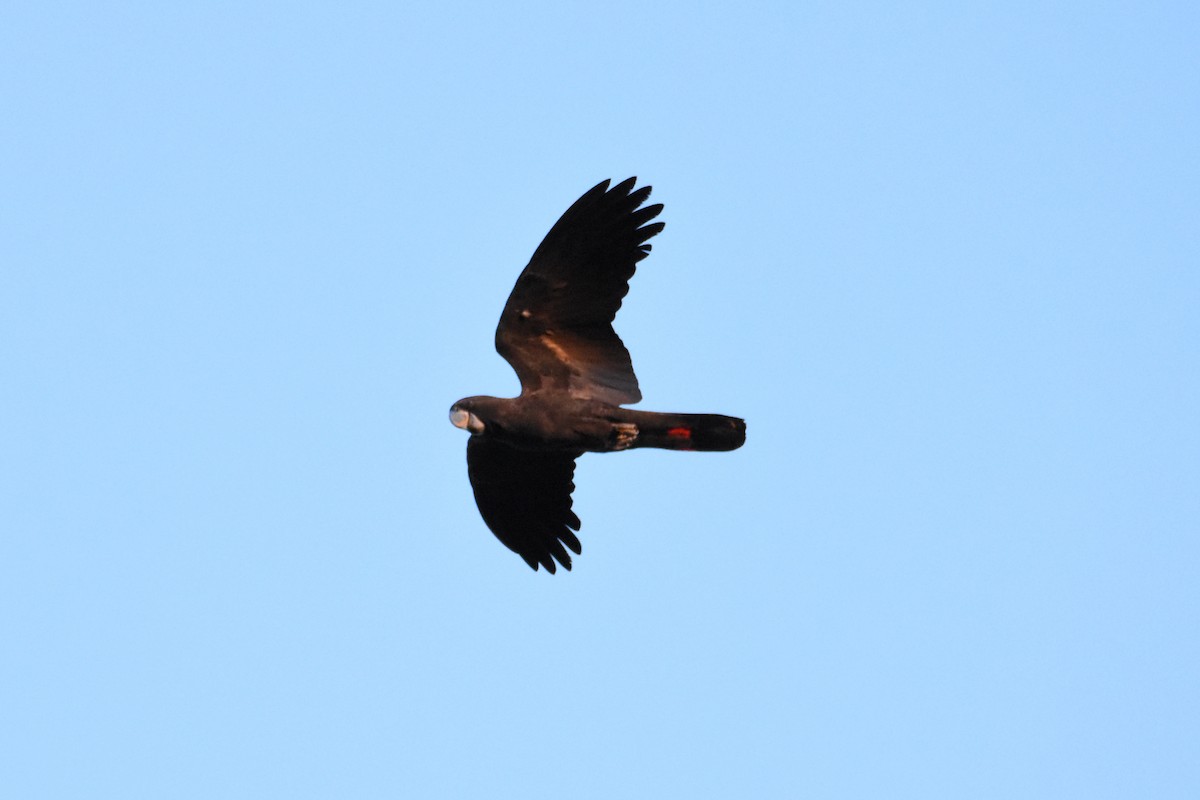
{"points": [[704, 432]]}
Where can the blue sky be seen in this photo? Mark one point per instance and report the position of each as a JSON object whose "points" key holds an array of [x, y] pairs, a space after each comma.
{"points": [[942, 258]]}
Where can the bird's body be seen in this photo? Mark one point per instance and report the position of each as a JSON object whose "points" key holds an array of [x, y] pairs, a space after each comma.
{"points": [[549, 422], [546, 421], [556, 331]]}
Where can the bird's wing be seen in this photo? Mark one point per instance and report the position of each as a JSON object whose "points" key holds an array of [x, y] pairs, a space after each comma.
{"points": [[556, 329], [524, 496]]}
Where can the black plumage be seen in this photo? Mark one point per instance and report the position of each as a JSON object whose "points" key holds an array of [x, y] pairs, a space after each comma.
{"points": [[556, 332]]}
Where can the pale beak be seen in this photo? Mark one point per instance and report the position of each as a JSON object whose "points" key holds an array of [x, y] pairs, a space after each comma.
{"points": [[466, 420]]}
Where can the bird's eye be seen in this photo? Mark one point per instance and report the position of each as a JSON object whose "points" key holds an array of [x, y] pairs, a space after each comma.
{"points": [[459, 418]]}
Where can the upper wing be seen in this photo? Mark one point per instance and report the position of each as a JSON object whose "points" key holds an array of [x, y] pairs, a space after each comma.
{"points": [[556, 329], [524, 496]]}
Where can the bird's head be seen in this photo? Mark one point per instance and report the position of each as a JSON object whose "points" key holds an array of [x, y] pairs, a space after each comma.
{"points": [[462, 415]]}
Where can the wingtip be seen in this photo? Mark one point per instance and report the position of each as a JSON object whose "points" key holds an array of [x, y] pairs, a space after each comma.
{"points": [[626, 186], [552, 559]]}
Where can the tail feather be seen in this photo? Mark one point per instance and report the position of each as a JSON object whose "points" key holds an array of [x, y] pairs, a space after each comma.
{"points": [[702, 432]]}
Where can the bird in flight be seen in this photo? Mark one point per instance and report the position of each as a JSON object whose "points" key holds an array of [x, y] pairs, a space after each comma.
{"points": [[556, 332]]}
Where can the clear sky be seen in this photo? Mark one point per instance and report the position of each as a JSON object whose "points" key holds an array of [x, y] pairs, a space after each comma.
{"points": [[942, 257]]}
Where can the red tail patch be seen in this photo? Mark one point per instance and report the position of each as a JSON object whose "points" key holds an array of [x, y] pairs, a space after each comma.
{"points": [[679, 433]]}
